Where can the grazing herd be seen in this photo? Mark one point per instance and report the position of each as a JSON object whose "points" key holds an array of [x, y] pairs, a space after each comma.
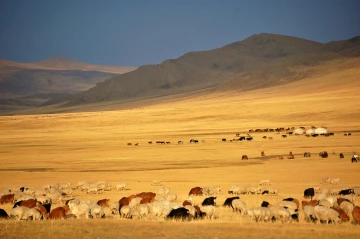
{"points": [[320, 205]]}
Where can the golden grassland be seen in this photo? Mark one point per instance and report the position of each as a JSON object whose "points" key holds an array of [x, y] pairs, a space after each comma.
{"points": [[42, 149]]}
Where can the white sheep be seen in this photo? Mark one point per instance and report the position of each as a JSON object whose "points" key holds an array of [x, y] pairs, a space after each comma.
{"points": [[80, 210], [171, 197], [335, 181], [35, 214], [135, 202], [143, 210], [156, 182], [309, 213], [97, 211], [44, 199], [264, 182], [260, 214], [93, 189], [120, 186], [209, 210], [81, 183], [239, 206], [325, 203], [348, 207], [192, 210], [332, 200], [20, 212], [125, 212], [272, 190], [280, 213], [326, 214], [157, 209]]}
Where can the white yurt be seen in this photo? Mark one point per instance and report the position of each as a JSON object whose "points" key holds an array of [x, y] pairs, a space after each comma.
{"points": [[321, 131], [310, 131], [298, 131]]}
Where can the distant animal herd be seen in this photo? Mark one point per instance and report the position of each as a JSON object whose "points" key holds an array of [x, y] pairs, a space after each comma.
{"points": [[288, 131]]}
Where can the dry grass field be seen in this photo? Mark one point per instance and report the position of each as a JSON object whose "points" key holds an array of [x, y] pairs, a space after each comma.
{"points": [[42, 149]]}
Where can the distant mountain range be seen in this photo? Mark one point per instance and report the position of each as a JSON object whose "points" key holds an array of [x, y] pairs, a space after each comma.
{"points": [[27, 85], [260, 61]]}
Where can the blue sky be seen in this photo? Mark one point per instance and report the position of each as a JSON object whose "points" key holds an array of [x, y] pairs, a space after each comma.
{"points": [[134, 33]]}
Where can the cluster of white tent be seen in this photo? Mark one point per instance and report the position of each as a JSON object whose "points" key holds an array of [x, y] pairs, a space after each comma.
{"points": [[299, 131]]}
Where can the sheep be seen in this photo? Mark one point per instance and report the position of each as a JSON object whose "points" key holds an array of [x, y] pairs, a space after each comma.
{"points": [[125, 212], [44, 199], [309, 213], [264, 182], [97, 211], [29, 191], [316, 188], [80, 210], [143, 210], [239, 206], [325, 181], [231, 189], [63, 185], [20, 212], [272, 191], [102, 186], [114, 206], [348, 207], [325, 203], [46, 187], [120, 186], [239, 189], [93, 189], [35, 214], [332, 200], [86, 186], [208, 210], [135, 202], [192, 210], [166, 209], [54, 196], [260, 214], [75, 201], [334, 180], [156, 182], [253, 189], [280, 213], [162, 191], [207, 191], [217, 189], [343, 216], [80, 183], [250, 213], [326, 214], [157, 209], [66, 192], [171, 197]]}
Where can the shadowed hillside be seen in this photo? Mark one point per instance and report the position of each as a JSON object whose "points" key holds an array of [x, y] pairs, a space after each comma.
{"points": [[27, 85], [262, 60]]}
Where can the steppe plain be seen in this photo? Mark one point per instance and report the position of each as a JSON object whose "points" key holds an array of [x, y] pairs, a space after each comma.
{"points": [[68, 147]]}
